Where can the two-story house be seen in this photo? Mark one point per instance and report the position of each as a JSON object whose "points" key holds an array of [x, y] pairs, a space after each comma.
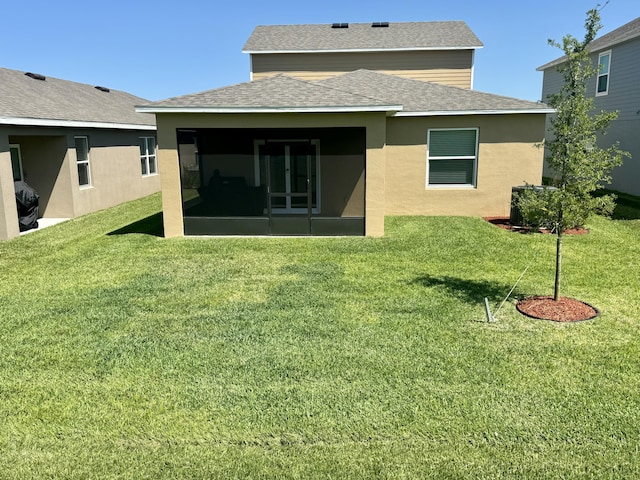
{"points": [[81, 147], [615, 87], [339, 126]]}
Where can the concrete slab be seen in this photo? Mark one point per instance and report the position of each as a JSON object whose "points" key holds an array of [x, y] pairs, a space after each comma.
{"points": [[44, 223]]}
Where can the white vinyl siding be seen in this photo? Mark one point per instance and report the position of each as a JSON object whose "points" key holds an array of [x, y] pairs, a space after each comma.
{"points": [[452, 157], [82, 159]]}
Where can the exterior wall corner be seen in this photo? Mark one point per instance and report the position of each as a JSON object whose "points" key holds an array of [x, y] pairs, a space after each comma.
{"points": [[8, 209], [169, 168], [375, 169]]}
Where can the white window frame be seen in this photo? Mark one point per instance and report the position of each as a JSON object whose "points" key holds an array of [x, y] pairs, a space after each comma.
{"points": [[86, 161], [474, 176], [607, 73], [149, 158], [15, 146]]}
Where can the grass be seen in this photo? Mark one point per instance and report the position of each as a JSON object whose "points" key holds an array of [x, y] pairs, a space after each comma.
{"points": [[126, 355], [627, 206]]}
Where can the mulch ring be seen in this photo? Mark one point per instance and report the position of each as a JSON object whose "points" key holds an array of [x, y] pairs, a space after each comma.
{"points": [[564, 310], [503, 222], [545, 307]]}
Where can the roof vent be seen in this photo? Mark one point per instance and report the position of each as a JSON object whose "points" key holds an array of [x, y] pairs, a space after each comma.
{"points": [[36, 76], [380, 24], [340, 25], [102, 89]]}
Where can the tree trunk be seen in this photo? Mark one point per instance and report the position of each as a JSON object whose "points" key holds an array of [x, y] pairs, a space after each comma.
{"points": [[556, 287]]}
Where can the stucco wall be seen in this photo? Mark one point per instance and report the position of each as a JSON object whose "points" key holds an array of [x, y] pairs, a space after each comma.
{"points": [[46, 169], [395, 172], [116, 175], [49, 164], [8, 209], [507, 156]]}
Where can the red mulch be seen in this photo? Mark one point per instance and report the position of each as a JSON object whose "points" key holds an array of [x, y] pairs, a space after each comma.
{"points": [[503, 222], [545, 308], [564, 310]]}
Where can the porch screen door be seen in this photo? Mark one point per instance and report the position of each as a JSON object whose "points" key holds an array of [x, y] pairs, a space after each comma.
{"points": [[290, 172]]}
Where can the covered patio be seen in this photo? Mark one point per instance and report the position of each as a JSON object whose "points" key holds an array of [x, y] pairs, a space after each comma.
{"points": [[273, 181], [278, 156]]}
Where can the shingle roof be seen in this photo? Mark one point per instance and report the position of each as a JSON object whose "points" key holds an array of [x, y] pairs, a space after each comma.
{"points": [[361, 37], [628, 31], [426, 97], [279, 92], [362, 90], [25, 98]]}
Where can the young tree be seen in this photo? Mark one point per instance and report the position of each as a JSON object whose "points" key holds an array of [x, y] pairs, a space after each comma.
{"points": [[578, 164]]}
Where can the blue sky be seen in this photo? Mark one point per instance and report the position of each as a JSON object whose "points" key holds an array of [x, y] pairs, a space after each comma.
{"points": [[160, 49]]}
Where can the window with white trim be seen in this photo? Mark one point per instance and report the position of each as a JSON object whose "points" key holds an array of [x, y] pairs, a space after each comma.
{"points": [[452, 157], [604, 64], [82, 159], [148, 155]]}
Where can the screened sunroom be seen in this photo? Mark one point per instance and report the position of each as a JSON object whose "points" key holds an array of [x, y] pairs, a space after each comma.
{"points": [[271, 181]]}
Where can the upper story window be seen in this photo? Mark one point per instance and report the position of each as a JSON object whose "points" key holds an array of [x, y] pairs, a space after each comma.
{"points": [[604, 63], [148, 155], [452, 157], [82, 158]]}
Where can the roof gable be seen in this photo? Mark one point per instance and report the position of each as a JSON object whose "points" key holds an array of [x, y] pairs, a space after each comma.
{"points": [[627, 32], [276, 93], [420, 97], [362, 91], [28, 100], [361, 37]]}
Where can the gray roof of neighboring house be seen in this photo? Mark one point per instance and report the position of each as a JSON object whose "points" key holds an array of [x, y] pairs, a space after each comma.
{"points": [[361, 37], [362, 91], [25, 100], [628, 31]]}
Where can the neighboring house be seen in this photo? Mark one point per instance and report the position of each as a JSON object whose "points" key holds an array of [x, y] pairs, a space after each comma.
{"points": [[338, 129], [615, 87], [82, 148]]}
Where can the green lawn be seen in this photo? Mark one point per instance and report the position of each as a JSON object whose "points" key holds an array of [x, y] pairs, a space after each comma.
{"points": [[126, 355]]}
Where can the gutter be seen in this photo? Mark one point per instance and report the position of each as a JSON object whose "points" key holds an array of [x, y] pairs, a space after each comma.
{"points": [[289, 109], [362, 50], [442, 113], [45, 122]]}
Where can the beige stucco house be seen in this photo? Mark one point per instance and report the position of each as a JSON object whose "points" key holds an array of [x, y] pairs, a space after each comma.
{"points": [[340, 126], [82, 148]]}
